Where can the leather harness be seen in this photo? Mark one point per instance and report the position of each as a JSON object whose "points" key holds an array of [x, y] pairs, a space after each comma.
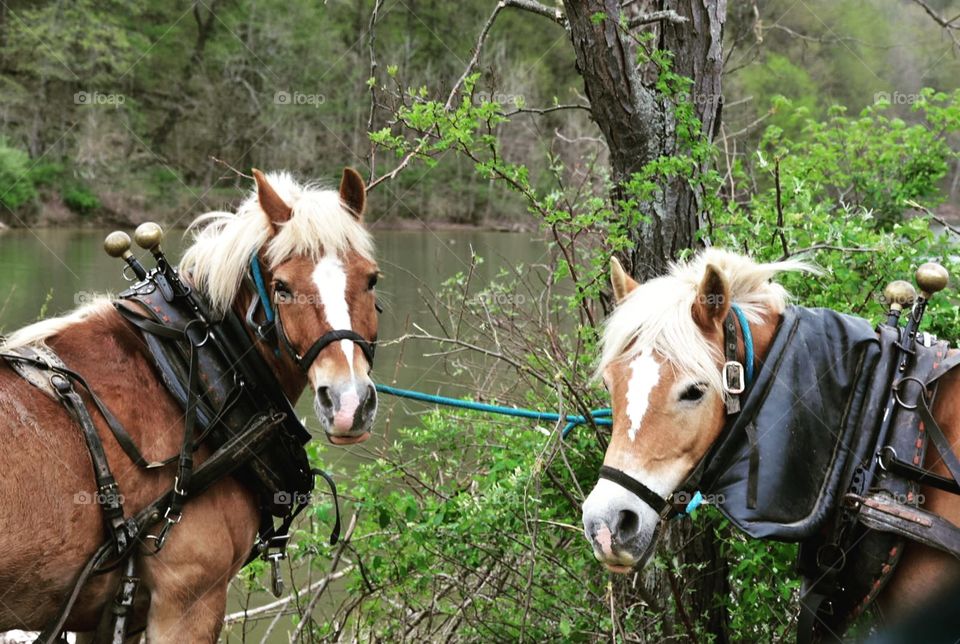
{"points": [[851, 544], [232, 403]]}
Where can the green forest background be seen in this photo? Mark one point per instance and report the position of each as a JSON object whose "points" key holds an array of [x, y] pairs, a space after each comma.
{"points": [[111, 111]]}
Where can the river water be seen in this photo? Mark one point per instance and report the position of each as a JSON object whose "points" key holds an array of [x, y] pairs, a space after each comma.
{"points": [[50, 271]]}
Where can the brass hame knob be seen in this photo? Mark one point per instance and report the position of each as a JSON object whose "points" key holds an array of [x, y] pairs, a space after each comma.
{"points": [[148, 236], [899, 294], [931, 277], [117, 244]]}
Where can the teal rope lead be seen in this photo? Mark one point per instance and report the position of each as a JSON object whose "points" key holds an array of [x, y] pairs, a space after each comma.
{"points": [[600, 416]]}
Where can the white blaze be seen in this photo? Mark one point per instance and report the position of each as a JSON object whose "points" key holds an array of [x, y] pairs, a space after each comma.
{"points": [[331, 280], [644, 375]]}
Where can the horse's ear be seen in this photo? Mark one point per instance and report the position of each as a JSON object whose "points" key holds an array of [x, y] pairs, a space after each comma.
{"points": [[622, 283], [713, 299], [276, 208], [353, 192]]}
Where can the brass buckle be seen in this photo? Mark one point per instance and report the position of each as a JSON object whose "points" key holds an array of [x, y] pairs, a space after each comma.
{"points": [[734, 378]]}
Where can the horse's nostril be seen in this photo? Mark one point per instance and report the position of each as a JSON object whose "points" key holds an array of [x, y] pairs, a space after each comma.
{"points": [[323, 395], [370, 400], [628, 524]]}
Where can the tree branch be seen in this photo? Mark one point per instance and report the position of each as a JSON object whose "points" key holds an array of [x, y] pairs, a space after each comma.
{"points": [[668, 15], [950, 26]]}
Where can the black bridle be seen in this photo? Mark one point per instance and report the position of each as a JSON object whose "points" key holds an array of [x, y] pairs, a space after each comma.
{"points": [[274, 325], [735, 380]]}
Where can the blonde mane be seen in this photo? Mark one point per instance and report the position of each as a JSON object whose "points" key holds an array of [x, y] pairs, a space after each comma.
{"points": [[224, 242], [657, 314]]}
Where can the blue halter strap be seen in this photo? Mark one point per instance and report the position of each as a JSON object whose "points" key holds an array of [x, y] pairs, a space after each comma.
{"points": [[257, 274], [747, 341]]}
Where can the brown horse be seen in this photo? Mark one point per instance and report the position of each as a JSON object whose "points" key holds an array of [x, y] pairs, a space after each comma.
{"points": [[320, 273], [662, 361]]}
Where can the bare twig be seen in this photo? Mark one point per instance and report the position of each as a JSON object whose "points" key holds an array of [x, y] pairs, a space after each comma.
{"points": [[816, 247], [308, 611], [780, 219], [231, 168], [547, 110], [668, 15], [951, 26]]}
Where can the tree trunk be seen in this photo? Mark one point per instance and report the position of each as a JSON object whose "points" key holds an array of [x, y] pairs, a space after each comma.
{"points": [[637, 122]]}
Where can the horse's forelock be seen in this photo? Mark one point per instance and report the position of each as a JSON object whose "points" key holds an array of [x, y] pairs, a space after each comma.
{"points": [[224, 243], [657, 314]]}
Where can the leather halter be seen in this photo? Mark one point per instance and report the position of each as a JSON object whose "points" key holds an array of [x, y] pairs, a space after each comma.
{"points": [[737, 376], [274, 323]]}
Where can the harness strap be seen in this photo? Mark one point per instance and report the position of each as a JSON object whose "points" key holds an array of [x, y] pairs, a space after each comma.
{"points": [[108, 492], [938, 439], [736, 377], [231, 455], [123, 438], [889, 462], [660, 505], [932, 530]]}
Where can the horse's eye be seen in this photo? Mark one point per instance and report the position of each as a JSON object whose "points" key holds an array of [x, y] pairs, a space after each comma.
{"points": [[282, 292], [693, 393], [372, 281]]}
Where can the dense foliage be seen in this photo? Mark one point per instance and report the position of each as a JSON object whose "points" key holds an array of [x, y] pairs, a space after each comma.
{"points": [[132, 99]]}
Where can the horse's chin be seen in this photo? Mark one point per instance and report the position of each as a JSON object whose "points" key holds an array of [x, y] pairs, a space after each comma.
{"points": [[623, 570], [348, 440]]}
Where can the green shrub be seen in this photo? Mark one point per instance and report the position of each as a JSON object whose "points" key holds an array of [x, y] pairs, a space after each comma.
{"points": [[16, 186], [80, 199]]}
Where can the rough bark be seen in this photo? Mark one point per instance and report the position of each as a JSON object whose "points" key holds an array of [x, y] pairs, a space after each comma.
{"points": [[638, 125], [636, 121]]}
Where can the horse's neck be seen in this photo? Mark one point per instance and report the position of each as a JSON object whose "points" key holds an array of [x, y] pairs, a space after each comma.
{"points": [[101, 339], [762, 335], [292, 380]]}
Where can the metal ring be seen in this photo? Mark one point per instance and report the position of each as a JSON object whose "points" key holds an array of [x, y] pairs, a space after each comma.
{"points": [[127, 276], [206, 332], [896, 392], [841, 560], [881, 461]]}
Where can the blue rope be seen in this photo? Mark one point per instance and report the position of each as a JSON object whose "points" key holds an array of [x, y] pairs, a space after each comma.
{"points": [[261, 287], [599, 416], [747, 341]]}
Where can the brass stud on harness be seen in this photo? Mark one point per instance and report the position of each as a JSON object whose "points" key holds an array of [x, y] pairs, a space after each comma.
{"points": [[148, 237], [899, 294], [117, 244], [931, 277]]}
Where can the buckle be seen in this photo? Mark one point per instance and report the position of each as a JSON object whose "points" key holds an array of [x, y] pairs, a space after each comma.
{"points": [[161, 537], [734, 377]]}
